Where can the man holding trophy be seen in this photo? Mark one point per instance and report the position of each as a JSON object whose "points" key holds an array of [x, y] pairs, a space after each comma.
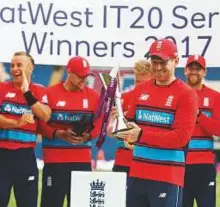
{"points": [[123, 157], [66, 143], [163, 111]]}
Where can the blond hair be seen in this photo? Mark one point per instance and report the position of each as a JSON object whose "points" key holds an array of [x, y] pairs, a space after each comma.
{"points": [[142, 66], [21, 53]]}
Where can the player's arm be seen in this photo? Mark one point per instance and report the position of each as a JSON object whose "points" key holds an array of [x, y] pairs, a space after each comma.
{"points": [[7, 123], [211, 124], [41, 110], [181, 131], [38, 106], [45, 130], [51, 132]]}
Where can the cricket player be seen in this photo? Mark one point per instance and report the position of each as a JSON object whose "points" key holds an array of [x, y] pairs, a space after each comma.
{"points": [[22, 103], [200, 175], [142, 72], [164, 112], [66, 143]]}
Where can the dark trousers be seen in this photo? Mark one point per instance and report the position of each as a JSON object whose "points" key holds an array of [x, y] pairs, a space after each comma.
{"points": [[18, 170], [56, 182], [149, 193], [200, 184], [117, 168]]}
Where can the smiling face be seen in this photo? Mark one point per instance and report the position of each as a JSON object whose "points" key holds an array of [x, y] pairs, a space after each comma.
{"points": [[163, 70], [195, 74], [21, 63]]}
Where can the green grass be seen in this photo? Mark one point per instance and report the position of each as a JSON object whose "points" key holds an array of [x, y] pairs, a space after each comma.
{"points": [[12, 202]]}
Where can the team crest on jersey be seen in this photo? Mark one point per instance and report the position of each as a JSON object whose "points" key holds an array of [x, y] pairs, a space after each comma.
{"points": [[144, 97], [169, 101], [85, 103], [206, 101]]}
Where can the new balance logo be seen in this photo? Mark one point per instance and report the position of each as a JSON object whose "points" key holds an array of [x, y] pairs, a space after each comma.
{"points": [[10, 95], [212, 183], [143, 97], [61, 103], [162, 195], [31, 178]]}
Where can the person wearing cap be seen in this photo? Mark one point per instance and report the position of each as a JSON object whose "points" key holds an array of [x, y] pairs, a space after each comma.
{"points": [[163, 111], [66, 143], [142, 72], [23, 103], [200, 175]]}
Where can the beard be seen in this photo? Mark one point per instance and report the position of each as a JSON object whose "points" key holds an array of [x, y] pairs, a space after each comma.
{"points": [[194, 80]]}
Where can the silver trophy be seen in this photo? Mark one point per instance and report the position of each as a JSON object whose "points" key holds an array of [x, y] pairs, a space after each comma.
{"points": [[120, 124]]}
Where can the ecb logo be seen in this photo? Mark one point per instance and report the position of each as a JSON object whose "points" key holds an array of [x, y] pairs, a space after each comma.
{"points": [[97, 193]]}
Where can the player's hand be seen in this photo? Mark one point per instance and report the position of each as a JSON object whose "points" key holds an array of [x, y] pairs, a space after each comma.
{"points": [[83, 138], [65, 135], [27, 118], [125, 113], [70, 136], [128, 145], [25, 83], [131, 135]]}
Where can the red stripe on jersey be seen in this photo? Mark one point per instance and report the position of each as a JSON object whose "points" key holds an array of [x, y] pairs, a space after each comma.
{"points": [[13, 145], [162, 173], [206, 157], [52, 155], [123, 157]]}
